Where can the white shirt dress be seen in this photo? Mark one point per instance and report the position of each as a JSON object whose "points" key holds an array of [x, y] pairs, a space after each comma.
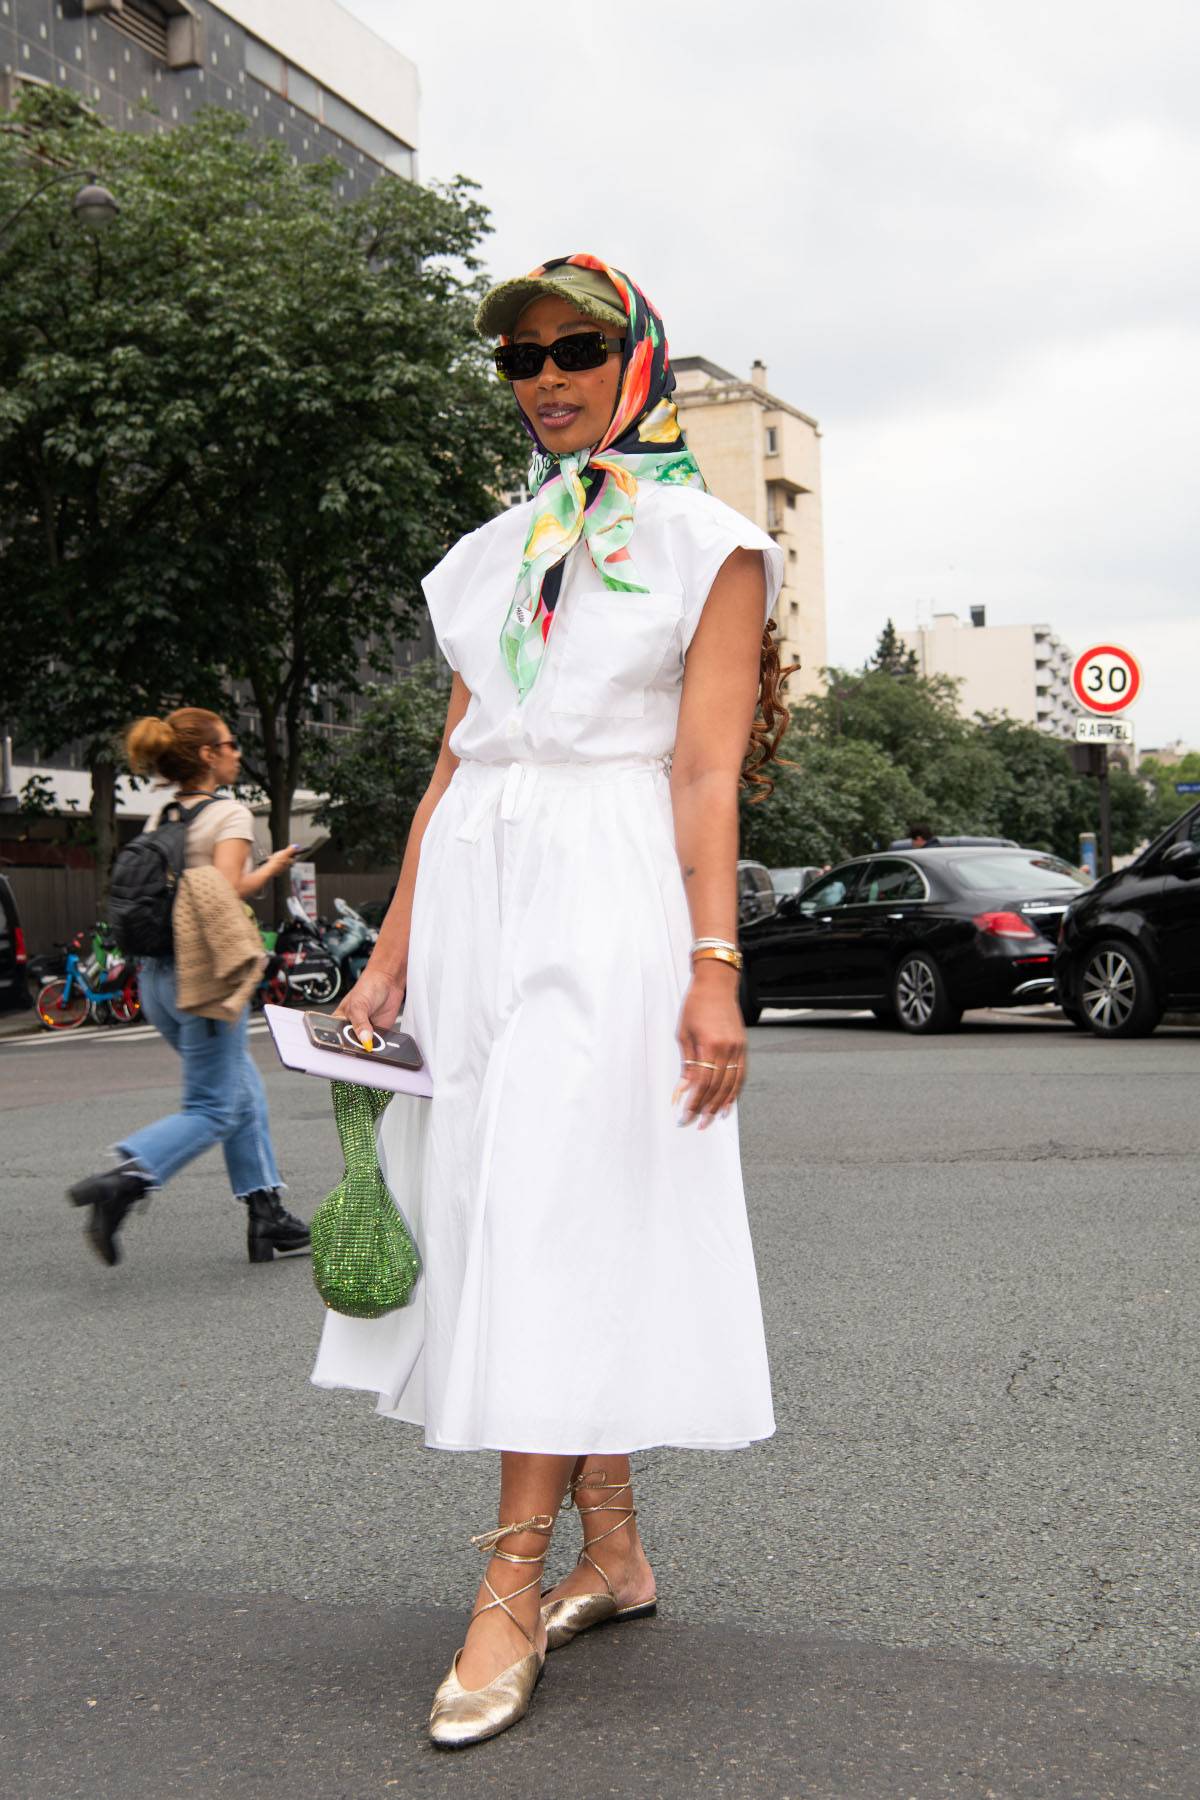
{"points": [[588, 1281]]}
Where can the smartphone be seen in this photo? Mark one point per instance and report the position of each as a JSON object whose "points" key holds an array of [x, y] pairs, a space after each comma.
{"points": [[395, 1047]]}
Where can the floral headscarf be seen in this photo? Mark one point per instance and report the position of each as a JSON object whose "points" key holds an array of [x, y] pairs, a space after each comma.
{"points": [[593, 493]]}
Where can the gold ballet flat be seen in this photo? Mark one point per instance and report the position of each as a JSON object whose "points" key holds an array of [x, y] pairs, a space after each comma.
{"points": [[461, 1716], [564, 1619]]}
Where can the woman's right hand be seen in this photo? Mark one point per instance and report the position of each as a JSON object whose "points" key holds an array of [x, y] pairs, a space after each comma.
{"points": [[373, 1003], [280, 860]]}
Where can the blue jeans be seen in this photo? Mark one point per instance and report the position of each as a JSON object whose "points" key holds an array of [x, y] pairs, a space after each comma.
{"points": [[223, 1097]]}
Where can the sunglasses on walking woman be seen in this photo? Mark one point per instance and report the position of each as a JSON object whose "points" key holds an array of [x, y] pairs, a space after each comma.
{"points": [[581, 350]]}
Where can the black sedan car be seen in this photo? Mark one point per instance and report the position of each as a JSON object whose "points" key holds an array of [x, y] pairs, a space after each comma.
{"points": [[916, 938], [1130, 948]]}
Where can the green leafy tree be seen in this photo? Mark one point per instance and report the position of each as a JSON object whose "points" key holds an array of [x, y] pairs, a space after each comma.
{"points": [[374, 777], [873, 753], [914, 721], [830, 800], [1039, 800], [106, 594], [1158, 778], [234, 432], [892, 656], [1131, 811]]}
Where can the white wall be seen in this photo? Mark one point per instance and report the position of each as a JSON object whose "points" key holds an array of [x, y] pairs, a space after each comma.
{"points": [[1000, 667], [331, 45]]}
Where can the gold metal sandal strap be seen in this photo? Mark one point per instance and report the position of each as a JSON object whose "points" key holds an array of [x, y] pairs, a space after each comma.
{"points": [[626, 1514], [543, 1524]]}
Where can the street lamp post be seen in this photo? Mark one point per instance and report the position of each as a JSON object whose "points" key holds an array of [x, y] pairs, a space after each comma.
{"points": [[93, 206]]}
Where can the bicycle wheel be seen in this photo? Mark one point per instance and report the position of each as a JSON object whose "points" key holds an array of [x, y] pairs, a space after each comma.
{"points": [[127, 1005], [58, 1011]]}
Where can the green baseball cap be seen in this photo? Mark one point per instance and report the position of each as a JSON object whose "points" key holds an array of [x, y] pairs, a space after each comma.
{"points": [[587, 290]]}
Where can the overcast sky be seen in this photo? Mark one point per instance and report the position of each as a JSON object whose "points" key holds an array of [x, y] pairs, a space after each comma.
{"points": [[964, 236]]}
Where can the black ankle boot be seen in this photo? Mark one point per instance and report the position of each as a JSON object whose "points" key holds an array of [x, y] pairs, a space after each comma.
{"points": [[271, 1228], [110, 1197]]}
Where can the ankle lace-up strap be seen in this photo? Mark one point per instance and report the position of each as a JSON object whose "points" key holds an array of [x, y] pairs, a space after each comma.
{"points": [[625, 1513], [490, 1541]]}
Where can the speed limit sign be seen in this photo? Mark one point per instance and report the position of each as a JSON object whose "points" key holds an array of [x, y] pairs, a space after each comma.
{"points": [[1106, 679]]}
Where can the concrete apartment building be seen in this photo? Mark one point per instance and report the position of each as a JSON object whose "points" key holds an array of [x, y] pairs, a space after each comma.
{"points": [[762, 456], [1021, 670], [304, 73]]}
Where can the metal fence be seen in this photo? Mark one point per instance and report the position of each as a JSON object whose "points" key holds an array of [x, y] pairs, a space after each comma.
{"points": [[56, 903], [53, 903]]}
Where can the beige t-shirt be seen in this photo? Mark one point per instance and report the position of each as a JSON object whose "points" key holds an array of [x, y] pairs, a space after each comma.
{"points": [[223, 819]]}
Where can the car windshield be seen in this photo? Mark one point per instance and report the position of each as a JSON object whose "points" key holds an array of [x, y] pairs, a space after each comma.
{"points": [[1027, 872], [787, 880]]}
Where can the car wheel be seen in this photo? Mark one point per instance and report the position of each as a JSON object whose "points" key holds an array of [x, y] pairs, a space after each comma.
{"points": [[750, 1004], [1116, 994], [920, 998]]}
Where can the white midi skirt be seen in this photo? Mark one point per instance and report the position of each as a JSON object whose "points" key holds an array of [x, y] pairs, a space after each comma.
{"points": [[588, 1281]]}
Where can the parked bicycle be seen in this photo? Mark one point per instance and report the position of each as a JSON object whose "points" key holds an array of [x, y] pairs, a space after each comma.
{"points": [[98, 983]]}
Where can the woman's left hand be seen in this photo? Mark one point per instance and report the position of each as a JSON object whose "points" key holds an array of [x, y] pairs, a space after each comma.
{"points": [[712, 1044]]}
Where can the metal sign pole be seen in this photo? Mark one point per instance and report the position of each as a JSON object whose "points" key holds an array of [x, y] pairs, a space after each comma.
{"points": [[1105, 812]]}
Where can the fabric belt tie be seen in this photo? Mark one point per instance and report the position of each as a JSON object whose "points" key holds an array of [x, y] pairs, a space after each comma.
{"points": [[509, 799]]}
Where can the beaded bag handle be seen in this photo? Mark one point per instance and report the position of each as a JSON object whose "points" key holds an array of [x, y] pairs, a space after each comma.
{"points": [[364, 1262]]}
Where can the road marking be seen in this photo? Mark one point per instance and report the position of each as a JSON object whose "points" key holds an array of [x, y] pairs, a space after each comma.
{"points": [[100, 1034]]}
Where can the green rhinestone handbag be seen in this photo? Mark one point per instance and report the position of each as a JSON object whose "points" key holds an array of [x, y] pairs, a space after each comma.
{"points": [[363, 1260]]}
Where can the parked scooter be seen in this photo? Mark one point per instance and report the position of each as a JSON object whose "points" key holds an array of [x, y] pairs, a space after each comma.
{"points": [[312, 972], [349, 940]]}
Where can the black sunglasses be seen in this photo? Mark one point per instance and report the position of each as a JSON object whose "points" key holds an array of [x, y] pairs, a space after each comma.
{"points": [[581, 350]]}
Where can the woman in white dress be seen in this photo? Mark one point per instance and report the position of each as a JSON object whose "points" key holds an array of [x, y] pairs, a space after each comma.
{"points": [[562, 942]]}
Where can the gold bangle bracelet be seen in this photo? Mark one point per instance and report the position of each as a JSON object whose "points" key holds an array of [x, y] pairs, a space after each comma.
{"points": [[715, 953]]}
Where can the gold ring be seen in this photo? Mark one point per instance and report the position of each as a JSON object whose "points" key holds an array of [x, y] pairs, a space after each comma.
{"points": [[690, 1062]]}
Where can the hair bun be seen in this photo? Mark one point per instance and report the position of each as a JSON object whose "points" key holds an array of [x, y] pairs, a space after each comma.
{"points": [[146, 743]]}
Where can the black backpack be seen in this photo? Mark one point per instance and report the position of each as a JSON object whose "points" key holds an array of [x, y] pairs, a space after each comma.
{"points": [[145, 880]]}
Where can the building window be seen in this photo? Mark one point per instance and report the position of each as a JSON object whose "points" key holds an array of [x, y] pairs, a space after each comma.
{"points": [[283, 77], [772, 440], [265, 65]]}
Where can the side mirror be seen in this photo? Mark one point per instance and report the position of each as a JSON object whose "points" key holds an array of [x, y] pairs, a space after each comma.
{"points": [[1182, 859]]}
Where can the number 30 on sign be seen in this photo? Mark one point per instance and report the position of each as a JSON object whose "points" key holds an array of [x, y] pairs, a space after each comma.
{"points": [[1106, 679]]}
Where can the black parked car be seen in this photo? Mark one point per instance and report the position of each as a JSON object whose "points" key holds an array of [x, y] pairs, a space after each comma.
{"points": [[916, 938], [756, 891], [1130, 949], [12, 952], [944, 843]]}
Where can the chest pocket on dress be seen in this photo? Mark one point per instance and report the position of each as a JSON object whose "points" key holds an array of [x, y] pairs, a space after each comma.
{"points": [[613, 647]]}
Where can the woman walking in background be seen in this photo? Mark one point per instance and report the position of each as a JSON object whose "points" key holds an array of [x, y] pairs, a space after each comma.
{"points": [[223, 1098], [563, 942]]}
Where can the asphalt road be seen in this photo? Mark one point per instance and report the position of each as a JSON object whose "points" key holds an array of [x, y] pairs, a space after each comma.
{"points": [[965, 1565]]}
